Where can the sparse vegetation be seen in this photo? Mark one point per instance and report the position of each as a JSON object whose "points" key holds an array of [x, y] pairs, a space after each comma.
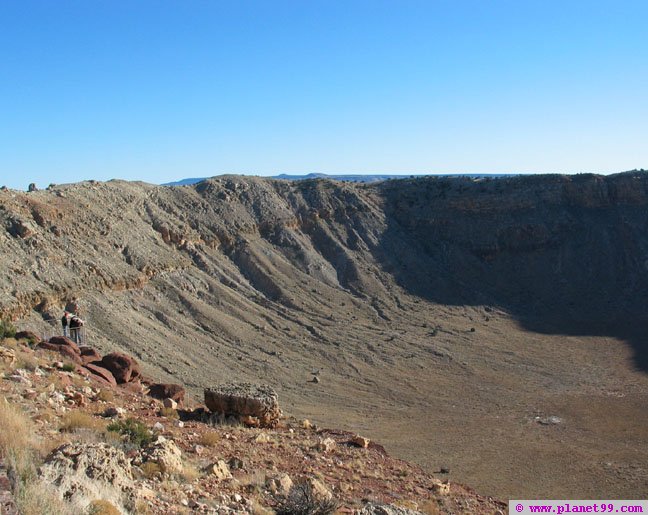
{"points": [[68, 367], [7, 329], [75, 420], [102, 507], [106, 395], [151, 469], [209, 439], [429, 508], [302, 500], [21, 454], [190, 472], [169, 413], [37, 498], [26, 361], [134, 431]]}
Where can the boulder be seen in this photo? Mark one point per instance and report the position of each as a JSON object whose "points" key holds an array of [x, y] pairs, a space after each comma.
{"points": [[441, 487], [88, 354], [165, 453], [245, 400], [163, 391], [21, 228], [170, 403], [326, 444], [82, 472], [66, 342], [7, 356], [319, 489], [280, 485], [123, 367], [220, 470], [360, 441], [101, 373], [64, 350]]}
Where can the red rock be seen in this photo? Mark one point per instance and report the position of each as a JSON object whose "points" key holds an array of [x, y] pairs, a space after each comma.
{"points": [[102, 373], [82, 371], [167, 391], [124, 368], [64, 350], [62, 340], [64, 380], [88, 355]]}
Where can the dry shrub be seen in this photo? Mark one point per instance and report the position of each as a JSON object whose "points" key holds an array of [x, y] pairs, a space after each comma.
{"points": [[75, 420], [142, 508], [105, 395], [190, 473], [429, 508], [46, 415], [169, 413], [21, 453], [15, 436], [209, 439], [151, 469], [27, 361], [258, 509], [38, 498], [102, 507], [302, 500], [10, 342], [254, 482]]}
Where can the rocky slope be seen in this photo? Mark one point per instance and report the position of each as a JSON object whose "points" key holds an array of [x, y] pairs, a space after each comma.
{"points": [[426, 305], [80, 445]]}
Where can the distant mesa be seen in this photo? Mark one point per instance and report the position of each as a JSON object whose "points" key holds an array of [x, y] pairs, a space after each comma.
{"points": [[347, 177]]}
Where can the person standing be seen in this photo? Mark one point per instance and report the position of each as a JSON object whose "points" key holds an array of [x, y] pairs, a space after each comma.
{"points": [[64, 323], [75, 329]]}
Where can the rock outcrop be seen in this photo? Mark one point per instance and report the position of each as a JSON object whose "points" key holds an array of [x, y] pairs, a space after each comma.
{"points": [[163, 391], [88, 354], [65, 342], [101, 374], [83, 472], [67, 351], [244, 400], [124, 368], [165, 453]]}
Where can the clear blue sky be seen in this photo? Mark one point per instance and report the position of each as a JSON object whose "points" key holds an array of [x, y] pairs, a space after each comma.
{"points": [[162, 90]]}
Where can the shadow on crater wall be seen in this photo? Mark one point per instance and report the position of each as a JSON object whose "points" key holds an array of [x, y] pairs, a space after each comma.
{"points": [[565, 255]]}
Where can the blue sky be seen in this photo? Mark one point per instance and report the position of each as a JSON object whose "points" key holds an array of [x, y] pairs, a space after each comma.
{"points": [[162, 90]]}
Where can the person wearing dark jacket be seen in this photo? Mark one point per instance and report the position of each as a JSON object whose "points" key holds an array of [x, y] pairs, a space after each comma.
{"points": [[75, 329], [64, 323]]}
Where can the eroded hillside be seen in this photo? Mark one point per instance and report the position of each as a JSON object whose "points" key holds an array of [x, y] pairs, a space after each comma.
{"points": [[443, 315]]}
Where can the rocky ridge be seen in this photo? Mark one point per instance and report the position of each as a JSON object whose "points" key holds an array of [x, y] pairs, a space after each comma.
{"points": [[404, 307]]}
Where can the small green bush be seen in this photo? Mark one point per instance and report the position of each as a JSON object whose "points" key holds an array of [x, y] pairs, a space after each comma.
{"points": [[69, 367], [7, 329], [134, 431]]}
